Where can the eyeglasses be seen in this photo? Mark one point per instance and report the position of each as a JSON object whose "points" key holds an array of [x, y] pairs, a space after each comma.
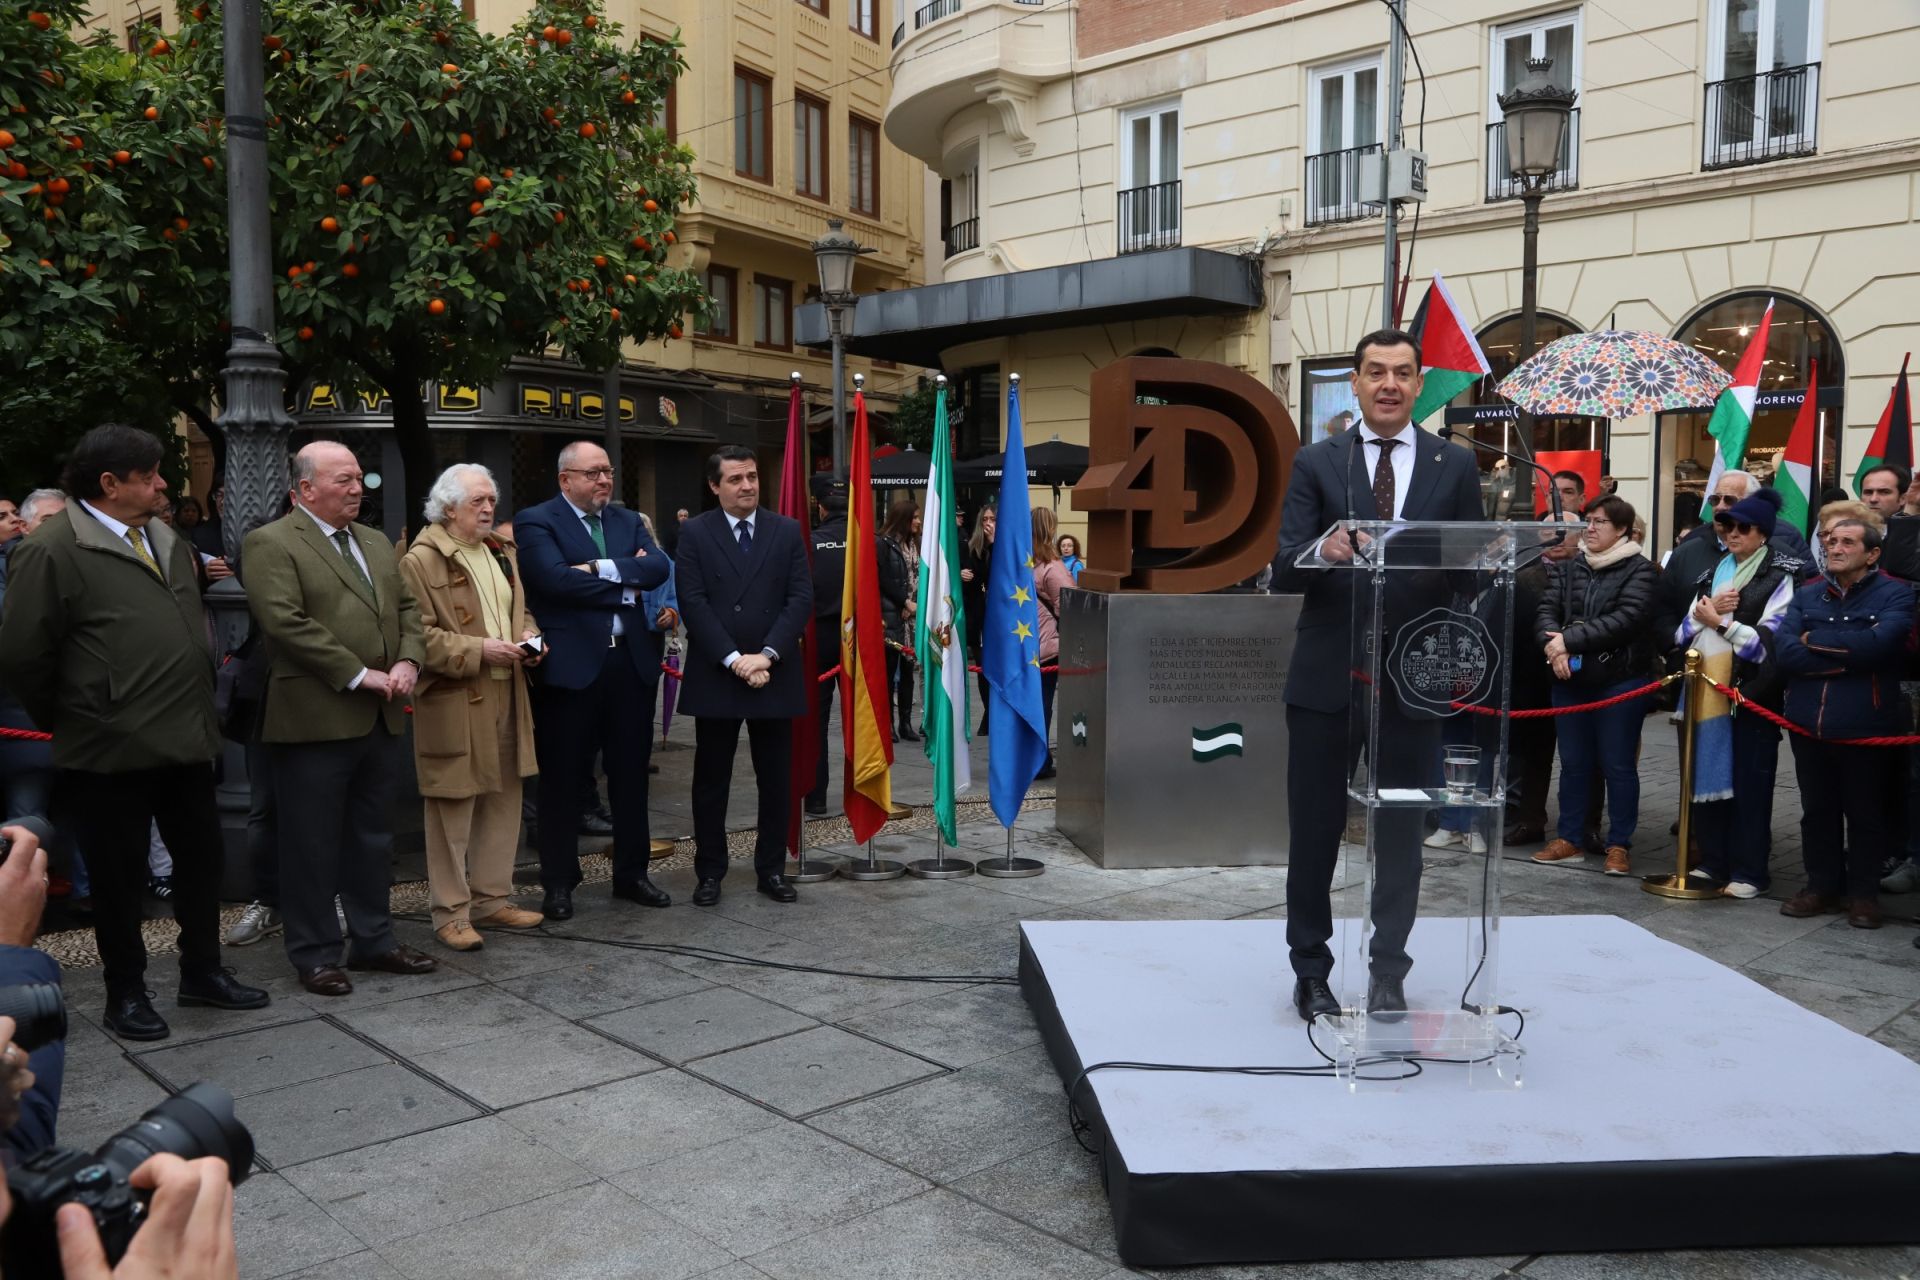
{"points": [[1720, 500], [592, 473]]}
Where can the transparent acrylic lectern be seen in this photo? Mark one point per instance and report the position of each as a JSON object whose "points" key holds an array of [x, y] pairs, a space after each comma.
{"points": [[1419, 873]]}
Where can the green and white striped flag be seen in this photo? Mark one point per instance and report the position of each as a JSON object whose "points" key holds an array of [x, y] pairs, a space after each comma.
{"points": [[1219, 741], [940, 633]]}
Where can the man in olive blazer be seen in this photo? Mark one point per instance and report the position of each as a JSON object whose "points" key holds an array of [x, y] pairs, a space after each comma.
{"points": [[347, 649], [104, 642]]}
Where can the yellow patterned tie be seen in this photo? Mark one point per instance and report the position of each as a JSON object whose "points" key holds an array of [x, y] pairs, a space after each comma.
{"points": [[139, 546]]}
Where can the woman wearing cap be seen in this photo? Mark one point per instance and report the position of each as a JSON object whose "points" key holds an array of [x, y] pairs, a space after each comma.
{"points": [[1736, 611], [1592, 630]]}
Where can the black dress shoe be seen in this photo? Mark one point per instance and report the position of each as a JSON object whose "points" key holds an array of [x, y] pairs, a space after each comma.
{"points": [[401, 960], [1313, 998], [906, 732], [644, 892], [777, 888], [1386, 1000], [557, 904], [596, 821], [130, 1016], [325, 980], [217, 989], [706, 893], [817, 808]]}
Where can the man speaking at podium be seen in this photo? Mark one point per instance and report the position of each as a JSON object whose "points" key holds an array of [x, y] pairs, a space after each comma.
{"points": [[1383, 469]]}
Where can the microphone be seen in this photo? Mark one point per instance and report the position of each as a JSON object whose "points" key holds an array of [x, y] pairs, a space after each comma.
{"points": [[1553, 493]]}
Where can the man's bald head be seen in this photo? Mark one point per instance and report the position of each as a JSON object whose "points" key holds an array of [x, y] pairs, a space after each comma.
{"points": [[326, 481]]}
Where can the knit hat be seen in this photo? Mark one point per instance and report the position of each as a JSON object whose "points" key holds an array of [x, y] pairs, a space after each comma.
{"points": [[1759, 509]]}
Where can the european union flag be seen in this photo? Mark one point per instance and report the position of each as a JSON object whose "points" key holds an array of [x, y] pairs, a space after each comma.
{"points": [[1010, 640]]}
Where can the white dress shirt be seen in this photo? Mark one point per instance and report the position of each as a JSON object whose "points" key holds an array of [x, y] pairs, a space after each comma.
{"points": [[359, 557], [605, 568], [119, 529], [751, 520]]}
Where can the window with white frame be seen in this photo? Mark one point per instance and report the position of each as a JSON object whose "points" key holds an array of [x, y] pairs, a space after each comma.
{"points": [[1555, 36], [1345, 121], [1763, 79], [1150, 177]]}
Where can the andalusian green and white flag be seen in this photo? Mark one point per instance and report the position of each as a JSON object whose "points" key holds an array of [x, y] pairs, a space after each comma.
{"points": [[1733, 412], [1215, 742], [940, 633]]}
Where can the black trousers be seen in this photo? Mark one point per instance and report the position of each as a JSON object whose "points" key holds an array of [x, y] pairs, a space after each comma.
{"points": [[902, 672], [613, 716], [1530, 745], [1321, 754], [263, 827], [714, 742], [1857, 786], [113, 815], [828, 631], [335, 805]]}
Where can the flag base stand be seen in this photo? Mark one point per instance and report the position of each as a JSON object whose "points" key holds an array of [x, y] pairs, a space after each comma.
{"points": [[658, 849], [939, 866], [1010, 867], [873, 868], [898, 810], [804, 870]]}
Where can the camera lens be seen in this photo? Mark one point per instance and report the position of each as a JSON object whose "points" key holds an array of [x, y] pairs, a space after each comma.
{"points": [[197, 1122], [38, 1012]]}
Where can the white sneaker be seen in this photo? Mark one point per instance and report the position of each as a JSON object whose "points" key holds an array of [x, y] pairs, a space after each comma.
{"points": [[1905, 879], [1740, 889], [1699, 873], [1445, 839], [257, 921]]}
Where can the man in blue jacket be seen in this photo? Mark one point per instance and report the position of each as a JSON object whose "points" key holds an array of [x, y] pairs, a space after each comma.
{"points": [[1842, 647], [587, 565]]}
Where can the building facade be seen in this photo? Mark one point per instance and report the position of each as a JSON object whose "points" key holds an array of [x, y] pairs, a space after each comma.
{"points": [[1723, 153], [782, 103]]}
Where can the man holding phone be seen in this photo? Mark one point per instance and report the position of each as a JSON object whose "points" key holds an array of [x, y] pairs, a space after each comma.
{"points": [[587, 564]]}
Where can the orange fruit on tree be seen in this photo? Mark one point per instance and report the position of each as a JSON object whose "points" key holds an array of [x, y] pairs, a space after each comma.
{"points": [[631, 279], [123, 157], [614, 313], [168, 233], [350, 270], [308, 268], [6, 139], [587, 130], [477, 208], [651, 206], [329, 225], [151, 113], [181, 223], [293, 272], [272, 42], [550, 33], [564, 38], [206, 162], [599, 259], [670, 237], [368, 181], [493, 240], [559, 215], [448, 68], [39, 20], [343, 191], [628, 97], [507, 174], [592, 22], [466, 141], [59, 186], [674, 331], [161, 48], [306, 333], [436, 308], [483, 184], [456, 155], [92, 270]]}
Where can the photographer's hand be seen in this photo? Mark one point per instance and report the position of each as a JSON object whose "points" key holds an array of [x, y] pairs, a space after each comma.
{"points": [[188, 1234], [23, 887]]}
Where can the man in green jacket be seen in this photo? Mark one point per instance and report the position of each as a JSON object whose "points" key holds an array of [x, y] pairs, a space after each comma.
{"points": [[347, 647], [104, 641]]}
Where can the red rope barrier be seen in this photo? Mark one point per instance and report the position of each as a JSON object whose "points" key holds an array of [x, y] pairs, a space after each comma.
{"points": [[26, 735], [1542, 713], [1741, 700]]}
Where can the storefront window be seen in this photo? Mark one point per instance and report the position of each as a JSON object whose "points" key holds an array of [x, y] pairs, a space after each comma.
{"points": [[1327, 404]]}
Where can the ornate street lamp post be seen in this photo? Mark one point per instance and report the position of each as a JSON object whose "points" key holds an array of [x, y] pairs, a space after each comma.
{"points": [[1537, 111], [836, 252]]}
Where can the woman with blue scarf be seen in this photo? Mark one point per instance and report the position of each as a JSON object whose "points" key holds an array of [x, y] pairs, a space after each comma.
{"points": [[1737, 611]]}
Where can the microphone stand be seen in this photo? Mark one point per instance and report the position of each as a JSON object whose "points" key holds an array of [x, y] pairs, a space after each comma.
{"points": [[1553, 493]]}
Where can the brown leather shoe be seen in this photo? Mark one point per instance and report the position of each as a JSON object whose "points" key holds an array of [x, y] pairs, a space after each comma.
{"points": [[326, 980], [458, 935], [1807, 903], [510, 917], [1559, 851], [402, 960], [1864, 913], [1617, 864]]}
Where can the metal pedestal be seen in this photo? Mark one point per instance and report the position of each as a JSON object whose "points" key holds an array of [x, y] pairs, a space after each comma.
{"points": [[803, 870], [872, 868], [939, 866], [658, 849], [1010, 867]]}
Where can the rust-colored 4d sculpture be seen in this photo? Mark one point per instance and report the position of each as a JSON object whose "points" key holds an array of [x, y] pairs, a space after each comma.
{"points": [[1183, 491]]}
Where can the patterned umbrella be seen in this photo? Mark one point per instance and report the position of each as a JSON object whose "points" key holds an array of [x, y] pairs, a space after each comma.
{"points": [[1614, 374]]}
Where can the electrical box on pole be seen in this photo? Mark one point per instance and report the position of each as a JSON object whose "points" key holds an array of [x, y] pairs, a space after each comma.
{"points": [[1399, 176]]}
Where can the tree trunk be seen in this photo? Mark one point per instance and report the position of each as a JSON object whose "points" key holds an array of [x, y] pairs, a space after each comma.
{"points": [[416, 447]]}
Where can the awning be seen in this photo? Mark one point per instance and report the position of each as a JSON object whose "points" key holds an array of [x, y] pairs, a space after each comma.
{"points": [[913, 326]]}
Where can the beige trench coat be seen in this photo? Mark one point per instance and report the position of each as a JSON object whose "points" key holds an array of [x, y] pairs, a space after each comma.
{"points": [[453, 735]]}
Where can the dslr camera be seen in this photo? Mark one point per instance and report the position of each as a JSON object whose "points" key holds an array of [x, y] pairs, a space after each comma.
{"points": [[197, 1122]]}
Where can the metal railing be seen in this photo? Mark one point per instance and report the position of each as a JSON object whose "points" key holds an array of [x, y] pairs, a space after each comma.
{"points": [[1333, 186], [962, 236], [1503, 184], [934, 12], [1150, 217], [899, 34], [1754, 119]]}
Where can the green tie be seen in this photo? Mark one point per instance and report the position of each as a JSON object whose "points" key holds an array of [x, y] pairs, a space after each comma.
{"points": [[599, 538], [345, 542]]}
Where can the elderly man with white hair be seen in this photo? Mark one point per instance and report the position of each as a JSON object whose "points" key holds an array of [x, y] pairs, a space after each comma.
{"points": [[40, 505], [472, 721]]}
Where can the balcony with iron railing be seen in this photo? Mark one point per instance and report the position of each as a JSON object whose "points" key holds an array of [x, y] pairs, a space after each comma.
{"points": [[1149, 217], [1503, 184], [1758, 118], [949, 55], [1333, 186], [962, 236]]}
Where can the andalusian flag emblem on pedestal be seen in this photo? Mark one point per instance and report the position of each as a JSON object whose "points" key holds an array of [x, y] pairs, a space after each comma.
{"points": [[1080, 730], [1221, 740]]}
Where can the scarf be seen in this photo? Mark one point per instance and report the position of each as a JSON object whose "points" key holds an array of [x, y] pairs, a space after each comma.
{"points": [[1713, 725], [1612, 555]]}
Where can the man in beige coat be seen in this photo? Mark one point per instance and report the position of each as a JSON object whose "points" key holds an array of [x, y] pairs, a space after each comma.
{"points": [[472, 724], [345, 634]]}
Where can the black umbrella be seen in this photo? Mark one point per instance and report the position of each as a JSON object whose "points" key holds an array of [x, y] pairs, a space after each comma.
{"points": [[1051, 462], [905, 468]]}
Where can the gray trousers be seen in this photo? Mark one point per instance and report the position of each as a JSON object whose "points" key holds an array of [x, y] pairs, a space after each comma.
{"points": [[335, 801]]}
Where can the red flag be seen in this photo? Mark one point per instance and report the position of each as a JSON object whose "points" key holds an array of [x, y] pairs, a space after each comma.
{"points": [[806, 728], [864, 705]]}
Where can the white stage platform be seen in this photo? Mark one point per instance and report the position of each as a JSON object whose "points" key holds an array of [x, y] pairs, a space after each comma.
{"points": [[1668, 1102]]}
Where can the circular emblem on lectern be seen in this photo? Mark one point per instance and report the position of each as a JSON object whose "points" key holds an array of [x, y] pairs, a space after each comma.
{"points": [[1443, 658]]}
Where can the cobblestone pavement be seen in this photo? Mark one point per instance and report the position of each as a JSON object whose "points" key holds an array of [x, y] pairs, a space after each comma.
{"points": [[560, 1108]]}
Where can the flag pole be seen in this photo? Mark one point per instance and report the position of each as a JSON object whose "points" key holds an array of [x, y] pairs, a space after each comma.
{"points": [[939, 866], [793, 498]]}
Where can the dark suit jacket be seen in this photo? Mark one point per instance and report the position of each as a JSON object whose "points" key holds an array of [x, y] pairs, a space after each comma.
{"points": [[760, 599], [1330, 484], [575, 610]]}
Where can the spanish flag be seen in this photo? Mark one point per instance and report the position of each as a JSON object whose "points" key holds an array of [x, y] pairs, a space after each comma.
{"points": [[863, 655]]}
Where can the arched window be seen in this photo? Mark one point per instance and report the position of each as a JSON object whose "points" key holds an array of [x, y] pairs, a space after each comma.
{"points": [[1797, 336]]}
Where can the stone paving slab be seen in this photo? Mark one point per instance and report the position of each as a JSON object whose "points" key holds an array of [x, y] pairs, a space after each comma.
{"points": [[355, 1109], [812, 1070]]}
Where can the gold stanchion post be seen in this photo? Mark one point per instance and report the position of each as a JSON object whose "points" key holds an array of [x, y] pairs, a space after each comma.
{"points": [[1679, 885]]}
